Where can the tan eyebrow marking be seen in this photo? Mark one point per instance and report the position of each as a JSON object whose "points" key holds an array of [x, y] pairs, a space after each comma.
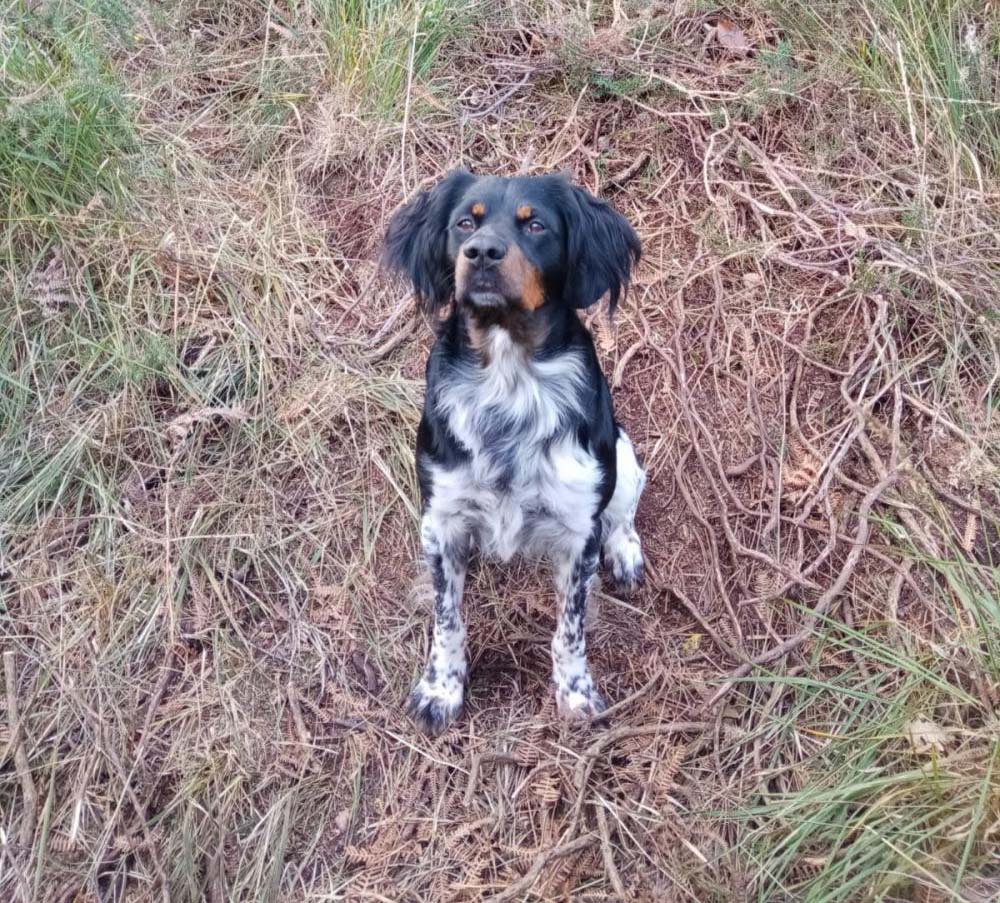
{"points": [[524, 212], [479, 209]]}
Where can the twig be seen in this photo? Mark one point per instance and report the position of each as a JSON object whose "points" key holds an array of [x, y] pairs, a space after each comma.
{"points": [[390, 344], [477, 763], [938, 418], [30, 801], [957, 501], [409, 96], [582, 769], [505, 95], [607, 853], [905, 511], [154, 702], [516, 890], [692, 610], [899, 261], [629, 353], [737, 470], [139, 807], [631, 170], [15, 734], [296, 709], [622, 703], [910, 116], [710, 536]]}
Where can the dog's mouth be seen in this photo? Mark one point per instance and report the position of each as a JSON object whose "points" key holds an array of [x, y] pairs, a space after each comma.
{"points": [[483, 289], [479, 298]]}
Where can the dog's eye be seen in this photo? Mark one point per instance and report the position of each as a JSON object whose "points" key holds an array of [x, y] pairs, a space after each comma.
{"points": [[535, 227], [465, 224]]}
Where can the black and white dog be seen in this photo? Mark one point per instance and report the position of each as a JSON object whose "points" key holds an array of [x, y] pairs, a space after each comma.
{"points": [[518, 450]]}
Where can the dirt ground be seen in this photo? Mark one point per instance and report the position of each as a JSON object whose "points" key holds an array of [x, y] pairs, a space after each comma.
{"points": [[210, 640]]}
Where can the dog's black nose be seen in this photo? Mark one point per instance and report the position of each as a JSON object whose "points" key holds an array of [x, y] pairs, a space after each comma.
{"points": [[485, 250]]}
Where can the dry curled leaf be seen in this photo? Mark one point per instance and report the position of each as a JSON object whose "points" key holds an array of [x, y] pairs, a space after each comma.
{"points": [[854, 230], [693, 643], [970, 533], [607, 336], [766, 583], [183, 425], [527, 751], [732, 37], [467, 830], [365, 668], [925, 736], [62, 843]]}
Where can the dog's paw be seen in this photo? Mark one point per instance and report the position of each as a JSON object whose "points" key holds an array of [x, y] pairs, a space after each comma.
{"points": [[578, 700], [623, 558], [434, 706]]}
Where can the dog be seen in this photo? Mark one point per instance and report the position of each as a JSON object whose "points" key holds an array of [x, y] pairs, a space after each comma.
{"points": [[518, 450]]}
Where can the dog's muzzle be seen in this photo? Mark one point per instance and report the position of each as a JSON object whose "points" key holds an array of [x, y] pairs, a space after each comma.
{"points": [[481, 259]]}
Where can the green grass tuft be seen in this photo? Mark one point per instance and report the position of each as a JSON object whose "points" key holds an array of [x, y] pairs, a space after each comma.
{"points": [[376, 47], [66, 129], [934, 61]]}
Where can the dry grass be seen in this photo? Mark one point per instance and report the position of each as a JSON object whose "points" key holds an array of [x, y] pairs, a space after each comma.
{"points": [[208, 554]]}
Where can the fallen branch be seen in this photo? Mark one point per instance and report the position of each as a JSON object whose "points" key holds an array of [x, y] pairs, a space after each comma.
{"points": [[622, 703], [30, 795], [631, 170], [477, 763], [582, 769], [825, 601], [516, 890], [607, 852]]}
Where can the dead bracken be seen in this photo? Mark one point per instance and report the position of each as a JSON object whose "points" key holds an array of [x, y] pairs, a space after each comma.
{"points": [[211, 605]]}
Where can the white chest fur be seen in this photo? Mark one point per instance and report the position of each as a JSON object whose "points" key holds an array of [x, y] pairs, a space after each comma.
{"points": [[528, 485]]}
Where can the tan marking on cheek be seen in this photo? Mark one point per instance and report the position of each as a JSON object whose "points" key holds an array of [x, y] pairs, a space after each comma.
{"points": [[532, 295], [524, 212], [479, 209], [523, 279]]}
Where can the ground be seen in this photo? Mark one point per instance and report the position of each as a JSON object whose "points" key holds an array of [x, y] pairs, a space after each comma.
{"points": [[211, 600]]}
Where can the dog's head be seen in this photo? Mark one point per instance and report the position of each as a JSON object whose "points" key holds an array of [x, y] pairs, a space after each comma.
{"points": [[498, 243]]}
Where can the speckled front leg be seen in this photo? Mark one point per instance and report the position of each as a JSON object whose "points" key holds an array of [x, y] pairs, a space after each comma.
{"points": [[576, 695], [437, 698], [622, 549]]}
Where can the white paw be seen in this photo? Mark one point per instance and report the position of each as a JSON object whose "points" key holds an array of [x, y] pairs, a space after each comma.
{"points": [[623, 557], [435, 705], [578, 699]]}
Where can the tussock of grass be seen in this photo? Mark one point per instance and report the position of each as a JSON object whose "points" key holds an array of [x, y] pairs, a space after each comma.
{"points": [[66, 133], [934, 62], [377, 49], [901, 783], [207, 492]]}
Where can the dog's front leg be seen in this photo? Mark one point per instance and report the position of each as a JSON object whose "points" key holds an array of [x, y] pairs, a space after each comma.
{"points": [[576, 695], [436, 700]]}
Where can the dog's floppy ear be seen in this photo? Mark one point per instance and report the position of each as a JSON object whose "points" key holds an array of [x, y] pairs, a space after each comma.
{"points": [[416, 242], [601, 247]]}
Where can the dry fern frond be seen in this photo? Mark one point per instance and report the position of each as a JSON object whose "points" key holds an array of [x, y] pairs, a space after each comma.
{"points": [[63, 843], [454, 838], [802, 475], [50, 286], [546, 787], [665, 773]]}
